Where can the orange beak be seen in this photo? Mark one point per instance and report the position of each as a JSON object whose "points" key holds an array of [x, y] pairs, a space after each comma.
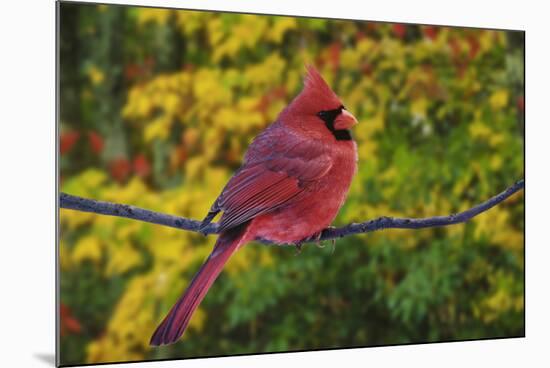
{"points": [[345, 120]]}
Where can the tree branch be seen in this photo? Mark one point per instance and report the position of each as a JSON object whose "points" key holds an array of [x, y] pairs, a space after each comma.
{"points": [[68, 201]]}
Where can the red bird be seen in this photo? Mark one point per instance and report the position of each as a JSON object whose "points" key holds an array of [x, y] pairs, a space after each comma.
{"points": [[294, 179]]}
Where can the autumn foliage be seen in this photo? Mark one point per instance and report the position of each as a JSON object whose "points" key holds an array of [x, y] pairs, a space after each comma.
{"points": [[157, 109]]}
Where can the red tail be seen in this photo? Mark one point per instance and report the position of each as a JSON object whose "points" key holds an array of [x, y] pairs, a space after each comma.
{"points": [[174, 324]]}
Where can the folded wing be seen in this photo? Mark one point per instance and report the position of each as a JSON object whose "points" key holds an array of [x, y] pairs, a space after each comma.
{"points": [[287, 168]]}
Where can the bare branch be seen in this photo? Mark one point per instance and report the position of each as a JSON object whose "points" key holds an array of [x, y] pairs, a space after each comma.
{"points": [[68, 201]]}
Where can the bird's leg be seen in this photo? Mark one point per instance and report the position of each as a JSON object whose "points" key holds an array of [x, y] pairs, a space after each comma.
{"points": [[298, 246], [333, 241], [317, 238]]}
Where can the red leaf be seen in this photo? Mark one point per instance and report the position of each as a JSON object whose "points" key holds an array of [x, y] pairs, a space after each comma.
{"points": [[319, 61], [72, 325], [120, 169], [399, 30], [474, 46], [96, 142], [142, 167], [334, 55], [263, 104], [460, 60], [366, 69], [521, 103], [135, 70], [69, 324], [279, 92], [430, 32], [455, 47], [149, 62], [67, 141], [461, 67], [132, 71], [269, 97], [63, 310]]}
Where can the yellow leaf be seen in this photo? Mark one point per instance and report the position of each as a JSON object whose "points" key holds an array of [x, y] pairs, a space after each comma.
{"points": [[64, 257], [479, 130], [280, 26], [87, 248], [171, 103], [194, 166], [499, 99], [365, 46], [122, 259], [96, 75], [496, 162], [159, 128], [419, 107], [150, 15], [267, 73], [496, 139], [349, 59], [215, 31], [74, 219]]}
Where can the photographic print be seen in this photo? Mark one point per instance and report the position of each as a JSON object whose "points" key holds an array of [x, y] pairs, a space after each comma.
{"points": [[235, 183]]}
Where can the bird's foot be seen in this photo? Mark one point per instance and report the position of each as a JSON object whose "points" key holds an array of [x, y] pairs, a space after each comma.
{"points": [[317, 238], [333, 241], [318, 241]]}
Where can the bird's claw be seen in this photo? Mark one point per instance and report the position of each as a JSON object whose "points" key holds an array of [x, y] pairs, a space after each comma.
{"points": [[316, 238], [319, 241]]}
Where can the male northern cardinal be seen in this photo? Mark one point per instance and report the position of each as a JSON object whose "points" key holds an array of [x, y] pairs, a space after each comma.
{"points": [[294, 179]]}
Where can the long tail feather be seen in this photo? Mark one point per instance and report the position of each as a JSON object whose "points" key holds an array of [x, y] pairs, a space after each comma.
{"points": [[174, 324]]}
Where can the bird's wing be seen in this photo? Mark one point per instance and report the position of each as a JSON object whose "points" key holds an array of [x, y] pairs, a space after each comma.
{"points": [[275, 172]]}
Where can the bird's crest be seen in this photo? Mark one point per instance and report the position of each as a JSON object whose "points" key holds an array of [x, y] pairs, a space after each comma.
{"points": [[318, 91]]}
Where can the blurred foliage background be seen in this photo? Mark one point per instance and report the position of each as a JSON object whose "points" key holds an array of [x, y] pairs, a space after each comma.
{"points": [[157, 108]]}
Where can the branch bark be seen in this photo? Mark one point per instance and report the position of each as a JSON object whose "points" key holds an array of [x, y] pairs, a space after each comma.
{"points": [[71, 202]]}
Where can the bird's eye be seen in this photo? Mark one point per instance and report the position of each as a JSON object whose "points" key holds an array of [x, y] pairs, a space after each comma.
{"points": [[330, 115]]}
